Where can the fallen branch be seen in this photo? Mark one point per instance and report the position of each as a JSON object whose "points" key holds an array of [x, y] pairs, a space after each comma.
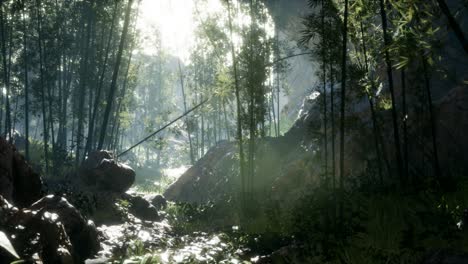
{"points": [[162, 128]]}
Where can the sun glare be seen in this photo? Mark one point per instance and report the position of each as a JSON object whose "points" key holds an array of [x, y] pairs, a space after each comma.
{"points": [[172, 24], [175, 21]]}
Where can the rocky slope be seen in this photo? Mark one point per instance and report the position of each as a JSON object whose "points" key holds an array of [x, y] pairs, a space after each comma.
{"points": [[287, 165]]}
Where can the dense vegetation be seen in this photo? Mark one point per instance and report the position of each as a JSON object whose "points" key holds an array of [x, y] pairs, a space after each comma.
{"points": [[372, 171]]}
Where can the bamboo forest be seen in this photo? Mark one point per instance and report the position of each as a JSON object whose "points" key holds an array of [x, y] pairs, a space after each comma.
{"points": [[234, 131]]}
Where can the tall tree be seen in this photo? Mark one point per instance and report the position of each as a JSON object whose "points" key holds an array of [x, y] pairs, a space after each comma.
{"points": [[238, 103], [342, 107], [251, 98], [26, 86], [87, 12], [113, 86], [405, 125], [427, 86], [97, 99], [192, 158], [6, 78], [45, 131], [324, 88], [370, 98], [396, 133]]}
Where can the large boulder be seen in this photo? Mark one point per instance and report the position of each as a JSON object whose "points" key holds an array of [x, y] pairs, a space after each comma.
{"points": [[289, 165], [95, 158], [114, 176], [108, 208], [158, 201], [18, 183], [83, 234], [37, 236], [209, 179], [51, 230], [7, 210], [142, 209], [112, 208], [101, 171], [284, 165]]}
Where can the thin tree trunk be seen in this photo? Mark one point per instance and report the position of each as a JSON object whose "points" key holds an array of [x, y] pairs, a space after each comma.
{"points": [[113, 86], [239, 120], [278, 89], [26, 89], [252, 119], [66, 95], [333, 129], [7, 127], [220, 122], [192, 159], [372, 108], [275, 121], [272, 121], [453, 24], [198, 130], [122, 96], [324, 69], [396, 133], [13, 127], [91, 90], [202, 131], [51, 119], [228, 134], [124, 90], [405, 124], [342, 111], [92, 121], [114, 145], [82, 91], [41, 77], [427, 85]]}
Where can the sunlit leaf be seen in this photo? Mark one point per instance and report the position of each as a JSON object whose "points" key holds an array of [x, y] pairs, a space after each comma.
{"points": [[430, 61], [6, 244], [19, 261]]}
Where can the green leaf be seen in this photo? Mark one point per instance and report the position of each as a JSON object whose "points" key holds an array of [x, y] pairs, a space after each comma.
{"points": [[18, 261], [6, 244]]}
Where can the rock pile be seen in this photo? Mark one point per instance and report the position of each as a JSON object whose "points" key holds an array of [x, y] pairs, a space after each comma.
{"points": [[100, 170], [106, 182], [47, 230], [50, 229]]}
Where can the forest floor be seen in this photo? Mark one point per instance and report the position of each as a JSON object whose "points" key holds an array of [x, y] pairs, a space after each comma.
{"points": [[147, 242], [169, 240], [187, 235], [155, 242]]}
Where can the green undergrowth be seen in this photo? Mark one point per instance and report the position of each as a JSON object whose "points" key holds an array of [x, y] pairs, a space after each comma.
{"points": [[381, 227], [156, 185], [375, 227]]}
